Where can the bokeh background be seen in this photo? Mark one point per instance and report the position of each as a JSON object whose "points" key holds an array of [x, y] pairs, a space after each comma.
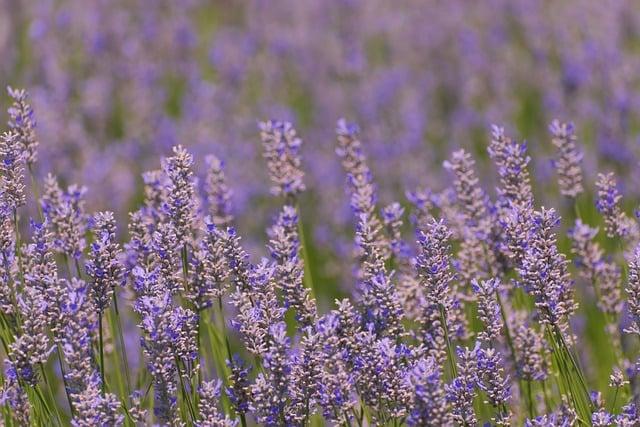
{"points": [[115, 84]]}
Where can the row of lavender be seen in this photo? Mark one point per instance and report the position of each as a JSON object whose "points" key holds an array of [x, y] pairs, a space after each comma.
{"points": [[473, 322], [118, 83]]}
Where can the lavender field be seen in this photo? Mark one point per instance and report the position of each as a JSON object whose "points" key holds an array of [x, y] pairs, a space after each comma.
{"points": [[307, 213]]}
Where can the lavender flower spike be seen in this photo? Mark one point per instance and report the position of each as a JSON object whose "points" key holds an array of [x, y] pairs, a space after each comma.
{"points": [[14, 395], [511, 160], [281, 150], [568, 159], [33, 346], [488, 308], [531, 349], [462, 391], [633, 291], [617, 223], [471, 198], [218, 193], [284, 246], [23, 123], [545, 273], [104, 267], [209, 268], [210, 416], [64, 211], [436, 276], [494, 383], [181, 193], [11, 166], [429, 403]]}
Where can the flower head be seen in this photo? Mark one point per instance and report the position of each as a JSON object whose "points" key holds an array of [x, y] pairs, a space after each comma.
{"points": [[281, 150], [568, 158]]}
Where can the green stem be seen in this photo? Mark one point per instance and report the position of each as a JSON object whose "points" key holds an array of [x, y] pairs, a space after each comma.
{"points": [[34, 190], [43, 402], [615, 398], [530, 400], [123, 348], [308, 277], [185, 395], [101, 347], [53, 400], [450, 354], [64, 379]]}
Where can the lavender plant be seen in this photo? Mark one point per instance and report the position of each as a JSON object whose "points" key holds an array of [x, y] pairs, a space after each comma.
{"points": [[488, 305]]}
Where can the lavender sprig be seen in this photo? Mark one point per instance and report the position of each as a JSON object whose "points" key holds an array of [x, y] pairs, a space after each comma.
{"points": [[617, 223], [104, 267], [12, 170], [23, 123], [218, 193], [568, 160], [281, 151], [181, 201], [284, 246]]}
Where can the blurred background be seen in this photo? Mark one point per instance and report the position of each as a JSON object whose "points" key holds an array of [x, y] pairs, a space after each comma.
{"points": [[116, 83]]}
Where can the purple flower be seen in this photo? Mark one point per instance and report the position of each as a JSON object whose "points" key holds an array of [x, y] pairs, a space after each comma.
{"points": [[104, 267], [14, 395], [545, 274], [284, 245], [472, 201], [633, 292], [568, 160], [440, 308], [281, 150], [511, 160], [181, 201], [359, 178], [64, 212], [488, 308], [210, 415], [270, 391], [218, 193], [617, 223], [239, 386], [602, 418], [494, 383], [169, 344], [429, 403], [604, 275], [23, 123], [11, 166], [531, 351], [462, 391], [209, 271]]}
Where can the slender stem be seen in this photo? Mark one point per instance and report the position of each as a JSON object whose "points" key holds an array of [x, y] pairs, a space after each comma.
{"points": [[615, 398], [34, 190], [347, 420], [574, 364], [224, 326], [507, 332], [43, 401], [46, 382], [18, 252], [530, 400], [452, 359], [64, 379], [545, 392], [77, 263], [308, 277], [101, 347], [123, 348], [184, 392]]}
